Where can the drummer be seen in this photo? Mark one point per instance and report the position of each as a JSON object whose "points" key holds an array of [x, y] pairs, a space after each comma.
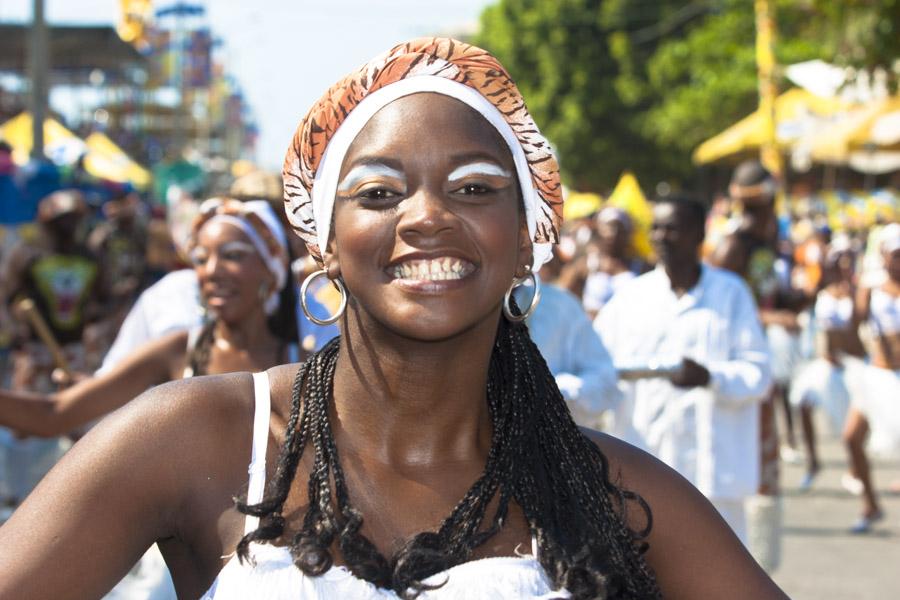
{"points": [[61, 278]]}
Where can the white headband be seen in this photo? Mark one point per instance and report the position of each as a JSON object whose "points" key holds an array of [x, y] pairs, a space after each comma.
{"points": [[276, 265], [328, 173]]}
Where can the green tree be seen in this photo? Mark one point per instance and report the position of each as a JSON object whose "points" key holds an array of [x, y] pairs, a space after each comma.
{"points": [[862, 33], [556, 51], [638, 84], [705, 80]]}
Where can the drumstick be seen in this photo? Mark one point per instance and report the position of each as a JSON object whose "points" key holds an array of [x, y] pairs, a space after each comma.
{"points": [[27, 308]]}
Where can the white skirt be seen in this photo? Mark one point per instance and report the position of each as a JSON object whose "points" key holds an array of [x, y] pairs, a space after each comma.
{"points": [[785, 350], [875, 393], [823, 385]]}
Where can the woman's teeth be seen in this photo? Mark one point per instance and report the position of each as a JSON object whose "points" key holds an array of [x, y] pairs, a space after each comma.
{"points": [[436, 269]]}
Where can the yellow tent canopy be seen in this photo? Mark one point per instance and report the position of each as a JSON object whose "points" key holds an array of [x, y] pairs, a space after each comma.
{"points": [[875, 126], [796, 110], [628, 196], [61, 145], [107, 161], [103, 158]]}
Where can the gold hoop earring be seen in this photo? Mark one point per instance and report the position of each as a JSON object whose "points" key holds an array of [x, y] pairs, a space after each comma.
{"points": [[507, 310], [340, 287]]}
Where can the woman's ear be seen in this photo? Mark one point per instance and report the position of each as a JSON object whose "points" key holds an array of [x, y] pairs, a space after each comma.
{"points": [[525, 258], [332, 265]]}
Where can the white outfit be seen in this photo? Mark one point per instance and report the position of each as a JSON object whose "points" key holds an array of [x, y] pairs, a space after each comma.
{"points": [[708, 434], [171, 304], [600, 287], [820, 383], [582, 367], [875, 392], [884, 311], [273, 575]]}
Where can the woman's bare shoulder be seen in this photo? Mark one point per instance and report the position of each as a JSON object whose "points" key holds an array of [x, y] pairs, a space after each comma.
{"points": [[692, 550], [163, 466], [188, 423]]}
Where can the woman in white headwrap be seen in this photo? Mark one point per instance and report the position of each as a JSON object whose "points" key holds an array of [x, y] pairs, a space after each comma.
{"points": [[239, 254]]}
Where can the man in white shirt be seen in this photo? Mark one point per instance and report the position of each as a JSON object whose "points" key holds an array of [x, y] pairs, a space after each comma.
{"points": [[582, 367], [701, 323]]}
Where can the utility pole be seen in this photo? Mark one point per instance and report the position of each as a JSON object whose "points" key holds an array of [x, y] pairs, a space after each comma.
{"points": [[769, 154], [38, 68]]}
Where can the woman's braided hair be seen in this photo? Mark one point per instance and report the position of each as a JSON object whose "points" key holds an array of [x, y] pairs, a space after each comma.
{"points": [[538, 458]]}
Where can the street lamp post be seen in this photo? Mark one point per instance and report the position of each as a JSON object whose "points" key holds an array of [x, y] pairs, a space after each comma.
{"points": [[38, 68]]}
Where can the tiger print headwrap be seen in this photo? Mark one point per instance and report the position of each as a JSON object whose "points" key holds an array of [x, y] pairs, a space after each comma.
{"points": [[439, 65]]}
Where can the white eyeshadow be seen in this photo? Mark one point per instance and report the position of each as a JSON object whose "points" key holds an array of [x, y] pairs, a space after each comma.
{"points": [[231, 246], [359, 173], [478, 168]]}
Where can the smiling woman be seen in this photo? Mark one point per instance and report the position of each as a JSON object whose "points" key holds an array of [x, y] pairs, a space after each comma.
{"points": [[415, 455], [239, 253]]}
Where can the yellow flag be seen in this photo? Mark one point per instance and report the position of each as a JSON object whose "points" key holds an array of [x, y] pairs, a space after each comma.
{"points": [[135, 15], [629, 197]]}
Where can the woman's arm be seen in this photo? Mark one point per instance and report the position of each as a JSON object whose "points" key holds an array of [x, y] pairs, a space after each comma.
{"points": [[161, 468], [693, 551], [57, 414]]}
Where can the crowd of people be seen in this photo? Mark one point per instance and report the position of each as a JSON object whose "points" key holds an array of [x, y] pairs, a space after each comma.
{"points": [[703, 370], [436, 324]]}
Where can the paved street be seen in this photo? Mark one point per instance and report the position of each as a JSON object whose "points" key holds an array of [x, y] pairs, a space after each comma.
{"points": [[820, 559]]}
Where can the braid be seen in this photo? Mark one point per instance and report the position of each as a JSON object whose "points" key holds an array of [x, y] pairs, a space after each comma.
{"points": [[538, 458], [198, 355]]}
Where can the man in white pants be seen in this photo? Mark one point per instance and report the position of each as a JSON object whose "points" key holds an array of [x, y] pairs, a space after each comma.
{"points": [[692, 334]]}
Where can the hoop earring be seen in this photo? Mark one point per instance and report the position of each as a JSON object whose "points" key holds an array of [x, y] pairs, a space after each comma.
{"points": [[340, 311], [534, 299]]}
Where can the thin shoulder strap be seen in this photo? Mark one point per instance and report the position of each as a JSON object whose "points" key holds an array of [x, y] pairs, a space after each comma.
{"points": [[257, 468]]}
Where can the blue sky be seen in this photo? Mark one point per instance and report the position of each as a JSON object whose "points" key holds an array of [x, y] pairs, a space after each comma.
{"points": [[286, 53]]}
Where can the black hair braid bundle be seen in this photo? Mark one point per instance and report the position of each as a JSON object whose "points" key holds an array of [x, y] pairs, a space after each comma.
{"points": [[538, 458], [198, 354]]}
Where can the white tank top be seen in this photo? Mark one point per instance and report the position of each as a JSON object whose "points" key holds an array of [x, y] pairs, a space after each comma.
{"points": [[833, 313], [884, 311], [271, 575]]}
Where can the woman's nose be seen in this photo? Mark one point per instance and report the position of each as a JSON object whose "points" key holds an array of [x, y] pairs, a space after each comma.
{"points": [[210, 265], [425, 213]]}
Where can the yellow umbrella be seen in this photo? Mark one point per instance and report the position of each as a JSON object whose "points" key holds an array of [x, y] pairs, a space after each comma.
{"points": [[60, 144], [875, 126], [628, 196], [796, 110], [107, 161]]}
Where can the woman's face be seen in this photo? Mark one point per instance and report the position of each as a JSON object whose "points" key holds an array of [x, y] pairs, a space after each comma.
{"points": [[428, 234], [230, 271], [613, 237]]}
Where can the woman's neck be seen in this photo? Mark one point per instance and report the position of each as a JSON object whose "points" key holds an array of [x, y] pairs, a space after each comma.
{"points": [[410, 403], [613, 264], [248, 334]]}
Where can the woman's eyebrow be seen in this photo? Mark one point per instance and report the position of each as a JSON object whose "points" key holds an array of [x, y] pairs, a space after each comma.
{"points": [[481, 167], [368, 169], [238, 245]]}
